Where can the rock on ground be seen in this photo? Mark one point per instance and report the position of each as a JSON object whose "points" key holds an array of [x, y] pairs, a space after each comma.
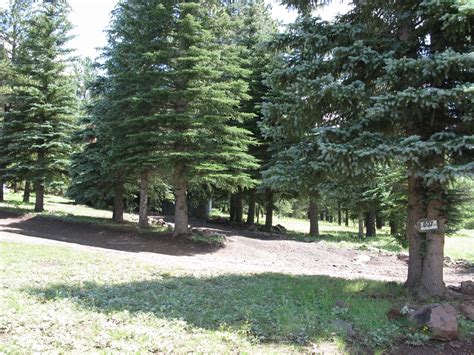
{"points": [[441, 319]]}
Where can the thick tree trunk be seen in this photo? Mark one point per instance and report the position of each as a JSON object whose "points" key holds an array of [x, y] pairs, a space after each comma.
{"points": [[361, 224], [117, 215], [313, 218], [251, 211], [181, 204], [370, 224], [269, 210], [415, 212], [39, 198], [346, 222], [239, 208], [393, 227], [232, 208], [143, 211], [26, 192], [432, 284]]}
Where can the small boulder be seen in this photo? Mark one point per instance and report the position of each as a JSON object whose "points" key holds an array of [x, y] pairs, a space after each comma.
{"points": [[467, 287], [344, 327], [467, 310], [441, 319]]}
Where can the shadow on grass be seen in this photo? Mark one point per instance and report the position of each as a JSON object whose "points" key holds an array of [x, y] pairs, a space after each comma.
{"points": [[266, 307], [98, 232]]}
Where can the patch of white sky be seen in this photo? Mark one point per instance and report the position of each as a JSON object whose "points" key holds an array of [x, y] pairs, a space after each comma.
{"points": [[91, 18]]}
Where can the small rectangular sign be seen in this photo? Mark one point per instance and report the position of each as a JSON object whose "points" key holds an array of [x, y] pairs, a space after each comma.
{"points": [[428, 225]]}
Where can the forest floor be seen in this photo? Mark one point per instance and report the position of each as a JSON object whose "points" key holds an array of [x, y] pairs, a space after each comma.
{"points": [[72, 285]]}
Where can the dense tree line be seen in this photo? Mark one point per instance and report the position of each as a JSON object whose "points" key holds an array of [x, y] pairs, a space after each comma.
{"points": [[368, 117]]}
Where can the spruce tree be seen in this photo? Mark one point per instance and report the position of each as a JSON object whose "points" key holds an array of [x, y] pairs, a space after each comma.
{"points": [[392, 87], [40, 122]]}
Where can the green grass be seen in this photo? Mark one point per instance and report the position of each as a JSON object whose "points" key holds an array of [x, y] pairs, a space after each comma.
{"points": [[457, 246], [57, 299]]}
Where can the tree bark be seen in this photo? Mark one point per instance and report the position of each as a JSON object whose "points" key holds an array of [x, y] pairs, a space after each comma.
{"points": [[2, 197], [370, 224], [117, 215], [313, 218], [347, 217], [431, 283], [269, 210], [239, 208], [393, 227], [181, 204], [143, 211], [361, 224], [232, 208], [26, 192], [251, 211], [339, 214], [415, 212], [39, 198]]}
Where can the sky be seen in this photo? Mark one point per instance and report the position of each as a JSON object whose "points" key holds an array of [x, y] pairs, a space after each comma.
{"points": [[91, 17]]}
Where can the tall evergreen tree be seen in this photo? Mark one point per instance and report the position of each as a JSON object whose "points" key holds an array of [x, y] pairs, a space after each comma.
{"points": [[40, 122], [395, 86]]}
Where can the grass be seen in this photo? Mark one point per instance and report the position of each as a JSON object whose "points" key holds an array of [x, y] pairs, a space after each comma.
{"points": [[457, 246], [58, 299]]}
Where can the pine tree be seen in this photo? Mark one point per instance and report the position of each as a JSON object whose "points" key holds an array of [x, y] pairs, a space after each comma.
{"points": [[38, 127], [396, 87]]}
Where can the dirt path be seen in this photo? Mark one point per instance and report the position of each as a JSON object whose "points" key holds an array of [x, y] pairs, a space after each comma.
{"points": [[242, 254]]}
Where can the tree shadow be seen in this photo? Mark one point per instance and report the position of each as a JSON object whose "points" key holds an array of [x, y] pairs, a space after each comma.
{"points": [[95, 234], [267, 307]]}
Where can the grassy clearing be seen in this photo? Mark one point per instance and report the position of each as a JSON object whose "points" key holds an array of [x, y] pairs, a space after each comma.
{"points": [[457, 246], [59, 300]]}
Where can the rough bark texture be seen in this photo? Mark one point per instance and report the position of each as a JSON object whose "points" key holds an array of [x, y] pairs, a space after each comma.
{"points": [[415, 212], [143, 211], [26, 192], [39, 200], [252, 204], [361, 224], [370, 230], [232, 208], [117, 215], [432, 284], [269, 210], [181, 205], [313, 218], [239, 208]]}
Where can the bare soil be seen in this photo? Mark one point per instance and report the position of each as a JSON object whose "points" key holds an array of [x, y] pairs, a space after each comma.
{"points": [[244, 251]]}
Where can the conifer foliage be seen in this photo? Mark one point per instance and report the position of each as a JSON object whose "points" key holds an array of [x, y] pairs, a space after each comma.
{"points": [[42, 104]]}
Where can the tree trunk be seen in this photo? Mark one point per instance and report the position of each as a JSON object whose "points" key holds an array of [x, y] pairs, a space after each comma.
{"points": [[26, 192], [117, 215], [361, 224], [313, 218], [432, 284], [39, 198], [370, 224], [339, 214], [143, 211], [181, 204], [415, 212], [232, 208], [239, 208], [347, 218], [393, 227], [269, 210], [251, 211], [2, 197]]}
